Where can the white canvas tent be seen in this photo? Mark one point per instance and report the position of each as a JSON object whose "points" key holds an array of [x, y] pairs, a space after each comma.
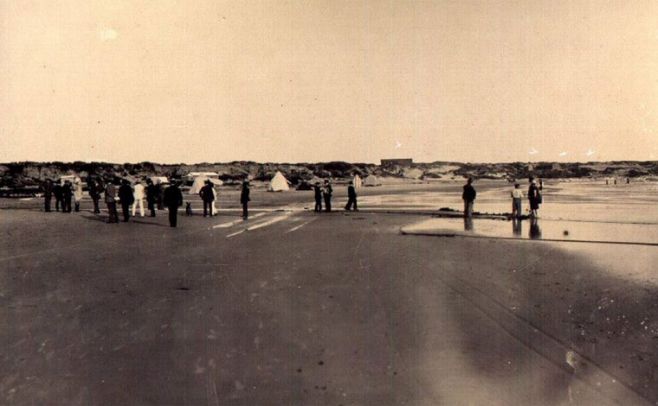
{"points": [[159, 180], [357, 181], [279, 183], [70, 178], [371, 181], [200, 182]]}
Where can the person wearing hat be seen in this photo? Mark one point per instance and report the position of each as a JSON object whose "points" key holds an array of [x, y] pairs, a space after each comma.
{"points": [[244, 199], [126, 198], [95, 190], [138, 198], [173, 199], [47, 194], [57, 191], [468, 196], [110, 200], [207, 195], [534, 197], [318, 197], [67, 195], [151, 196], [351, 197], [327, 192]]}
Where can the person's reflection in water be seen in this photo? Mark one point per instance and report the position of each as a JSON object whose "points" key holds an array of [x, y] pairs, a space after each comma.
{"points": [[517, 229], [468, 223], [535, 231]]}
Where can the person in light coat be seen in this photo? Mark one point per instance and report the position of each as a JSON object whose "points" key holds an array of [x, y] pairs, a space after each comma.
{"points": [[77, 193], [138, 195]]}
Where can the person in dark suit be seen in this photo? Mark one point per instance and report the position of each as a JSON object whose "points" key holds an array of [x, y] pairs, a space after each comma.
{"points": [[208, 197], [244, 199], [110, 200], [126, 197], [351, 197], [318, 196], [468, 196], [534, 196], [57, 191], [47, 194], [173, 199], [67, 195], [95, 190], [151, 196], [327, 192]]}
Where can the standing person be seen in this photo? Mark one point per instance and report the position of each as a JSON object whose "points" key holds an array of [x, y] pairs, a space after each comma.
{"points": [[351, 197], [94, 193], [468, 196], [214, 199], [173, 199], [534, 196], [47, 194], [327, 192], [126, 199], [517, 196], [207, 196], [110, 200], [244, 199], [67, 194], [318, 197], [151, 196], [57, 191], [160, 196], [138, 198], [77, 193]]}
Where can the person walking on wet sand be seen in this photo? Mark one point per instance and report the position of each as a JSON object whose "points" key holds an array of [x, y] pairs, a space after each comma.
{"points": [[111, 202], [517, 197], [151, 196], [207, 196], [468, 196], [351, 197], [318, 197], [327, 192], [534, 197], [126, 197], [173, 199], [244, 199], [47, 194]]}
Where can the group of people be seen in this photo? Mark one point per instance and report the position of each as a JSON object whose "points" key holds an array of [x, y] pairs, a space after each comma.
{"points": [[534, 198], [325, 193], [67, 195]]}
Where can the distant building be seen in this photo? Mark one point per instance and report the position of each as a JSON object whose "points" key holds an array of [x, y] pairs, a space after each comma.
{"points": [[397, 162]]}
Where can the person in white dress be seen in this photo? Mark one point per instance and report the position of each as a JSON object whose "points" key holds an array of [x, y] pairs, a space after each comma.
{"points": [[139, 199]]}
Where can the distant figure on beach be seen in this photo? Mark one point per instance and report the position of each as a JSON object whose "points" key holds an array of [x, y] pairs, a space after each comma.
{"points": [[151, 196], [517, 197], [47, 194], [95, 190], [318, 197], [628, 181], [541, 184], [111, 202], [214, 199], [244, 199], [126, 198], [57, 191], [534, 196], [351, 197], [207, 196], [67, 195], [173, 199], [327, 191], [77, 193], [468, 196], [138, 198]]}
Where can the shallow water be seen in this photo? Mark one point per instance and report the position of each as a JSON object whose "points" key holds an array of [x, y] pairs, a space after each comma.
{"points": [[632, 203]]}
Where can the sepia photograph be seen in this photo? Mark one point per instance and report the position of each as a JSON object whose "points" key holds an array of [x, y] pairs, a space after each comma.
{"points": [[328, 202]]}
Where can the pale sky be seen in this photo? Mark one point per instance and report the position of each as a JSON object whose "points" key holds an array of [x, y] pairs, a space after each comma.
{"points": [[306, 81]]}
